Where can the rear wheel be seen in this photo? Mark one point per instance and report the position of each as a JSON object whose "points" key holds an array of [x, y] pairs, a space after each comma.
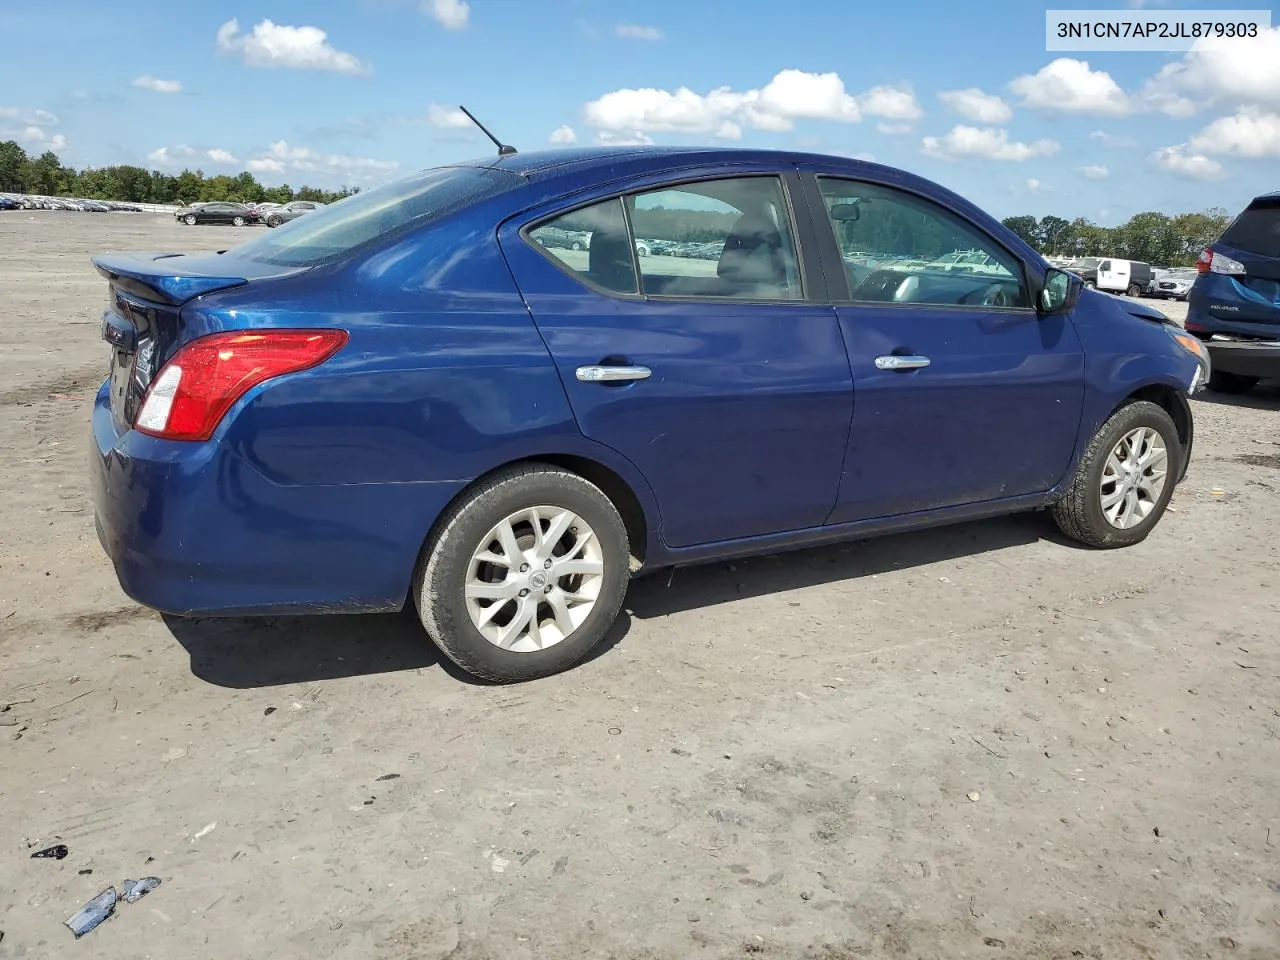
{"points": [[189, 220], [1133, 290], [238, 222], [1124, 480], [1223, 382], [273, 221], [1090, 284], [525, 574]]}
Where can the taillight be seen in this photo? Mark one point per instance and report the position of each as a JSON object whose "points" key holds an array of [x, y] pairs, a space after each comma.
{"points": [[191, 393], [1211, 261]]}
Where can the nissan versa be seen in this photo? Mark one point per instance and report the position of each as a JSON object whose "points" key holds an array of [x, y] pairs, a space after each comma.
{"points": [[407, 397]]}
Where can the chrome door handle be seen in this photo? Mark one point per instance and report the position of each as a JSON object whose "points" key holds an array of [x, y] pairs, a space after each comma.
{"points": [[894, 362], [612, 374]]}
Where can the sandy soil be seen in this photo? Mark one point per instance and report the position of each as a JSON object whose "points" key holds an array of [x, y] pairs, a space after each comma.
{"points": [[974, 742]]}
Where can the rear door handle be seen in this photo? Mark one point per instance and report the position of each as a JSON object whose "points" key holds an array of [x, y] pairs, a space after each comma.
{"points": [[895, 362], [612, 374]]}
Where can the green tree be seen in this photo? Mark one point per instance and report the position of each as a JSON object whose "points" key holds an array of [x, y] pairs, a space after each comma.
{"points": [[13, 161], [1026, 227]]}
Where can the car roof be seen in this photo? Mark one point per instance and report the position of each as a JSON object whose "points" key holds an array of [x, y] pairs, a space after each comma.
{"points": [[625, 160]]}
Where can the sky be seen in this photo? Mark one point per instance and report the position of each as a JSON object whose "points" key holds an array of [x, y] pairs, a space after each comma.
{"points": [[355, 92]]}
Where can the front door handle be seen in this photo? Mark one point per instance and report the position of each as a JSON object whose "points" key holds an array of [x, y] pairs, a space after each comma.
{"points": [[895, 362], [612, 374]]}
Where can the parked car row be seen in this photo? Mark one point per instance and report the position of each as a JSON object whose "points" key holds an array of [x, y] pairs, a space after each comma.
{"points": [[23, 201], [244, 214]]}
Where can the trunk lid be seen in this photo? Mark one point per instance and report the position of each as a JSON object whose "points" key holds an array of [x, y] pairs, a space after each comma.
{"points": [[142, 323]]}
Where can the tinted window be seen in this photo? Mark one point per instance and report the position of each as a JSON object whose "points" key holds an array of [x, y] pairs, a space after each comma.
{"points": [[1257, 230], [339, 229], [900, 248], [718, 238], [592, 243]]}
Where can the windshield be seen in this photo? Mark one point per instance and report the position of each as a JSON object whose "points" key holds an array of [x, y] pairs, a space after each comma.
{"points": [[339, 229], [1257, 230]]}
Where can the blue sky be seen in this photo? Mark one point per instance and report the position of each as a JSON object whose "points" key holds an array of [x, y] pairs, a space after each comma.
{"points": [[355, 91]]}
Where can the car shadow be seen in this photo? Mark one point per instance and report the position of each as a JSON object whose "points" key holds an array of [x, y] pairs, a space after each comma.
{"points": [[1265, 396], [246, 653]]}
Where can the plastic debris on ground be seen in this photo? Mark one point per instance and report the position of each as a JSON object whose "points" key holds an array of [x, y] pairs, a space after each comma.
{"points": [[103, 906]]}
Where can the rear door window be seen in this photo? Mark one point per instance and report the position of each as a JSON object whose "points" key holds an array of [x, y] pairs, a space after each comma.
{"points": [[1257, 230], [593, 244]]}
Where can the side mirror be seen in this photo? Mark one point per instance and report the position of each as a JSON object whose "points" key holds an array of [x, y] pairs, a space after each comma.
{"points": [[1060, 293]]}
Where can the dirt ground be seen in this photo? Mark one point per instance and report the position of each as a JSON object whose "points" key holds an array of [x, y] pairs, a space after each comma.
{"points": [[973, 742]]}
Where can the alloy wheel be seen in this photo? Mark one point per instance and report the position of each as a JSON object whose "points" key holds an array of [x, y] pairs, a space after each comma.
{"points": [[1134, 477], [534, 578]]}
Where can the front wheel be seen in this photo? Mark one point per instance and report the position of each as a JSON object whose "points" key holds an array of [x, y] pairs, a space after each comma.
{"points": [[1090, 284], [237, 222], [273, 221], [189, 220], [1125, 478], [525, 574], [1222, 382]]}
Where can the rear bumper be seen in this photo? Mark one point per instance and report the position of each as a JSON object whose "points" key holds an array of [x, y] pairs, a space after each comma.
{"points": [[194, 529], [1246, 358]]}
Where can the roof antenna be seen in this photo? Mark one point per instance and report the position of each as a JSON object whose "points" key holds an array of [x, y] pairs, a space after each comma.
{"points": [[504, 149]]}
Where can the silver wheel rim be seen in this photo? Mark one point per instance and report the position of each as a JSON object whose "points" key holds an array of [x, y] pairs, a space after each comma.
{"points": [[1134, 477], [534, 578]]}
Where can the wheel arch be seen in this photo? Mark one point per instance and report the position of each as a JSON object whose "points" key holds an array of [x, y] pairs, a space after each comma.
{"points": [[635, 506]]}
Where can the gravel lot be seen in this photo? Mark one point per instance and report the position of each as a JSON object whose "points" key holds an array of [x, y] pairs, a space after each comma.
{"points": [[974, 742]]}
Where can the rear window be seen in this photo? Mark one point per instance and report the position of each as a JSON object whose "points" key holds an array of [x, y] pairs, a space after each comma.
{"points": [[1257, 230], [338, 230]]}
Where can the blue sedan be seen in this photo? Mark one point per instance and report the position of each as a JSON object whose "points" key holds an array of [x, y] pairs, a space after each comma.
{"points": [[420, 395]]}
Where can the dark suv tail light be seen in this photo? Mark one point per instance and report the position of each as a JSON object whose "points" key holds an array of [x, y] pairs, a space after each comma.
{"points": [[189, 395]]}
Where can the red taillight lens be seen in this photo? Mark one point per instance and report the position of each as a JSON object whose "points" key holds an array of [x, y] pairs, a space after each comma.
{"points": [[1204, 263], [193, 392]]}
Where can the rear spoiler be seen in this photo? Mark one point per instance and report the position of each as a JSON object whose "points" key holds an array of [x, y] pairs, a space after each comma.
{"points": [[147, 275]]}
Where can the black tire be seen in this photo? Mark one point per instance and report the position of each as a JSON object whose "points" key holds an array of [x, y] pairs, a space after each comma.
{"points": [[273, 221], [189, 220], [1079, 513], [1222, 382], [1133, 290], [441, 575], [1090, 284]]}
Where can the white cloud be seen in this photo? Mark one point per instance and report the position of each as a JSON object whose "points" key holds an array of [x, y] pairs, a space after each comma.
{"points": [[1093, 171], [1194, 166], [278, 45], [217, 155], [450, 14], [974, 104], [894, 129], [1035, 186], [723, 112], [1250, 133], [39, 141], [1111, 141], [891, 103], [607, 138], [987, 143], [563, 134], [445, 118], [1071, 86], [171, 156], [284, 158], [32, 118], [155, 84], [1221, 71], [634, 31], [865, 157]]}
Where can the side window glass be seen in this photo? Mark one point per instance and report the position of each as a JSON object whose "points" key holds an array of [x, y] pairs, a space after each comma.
{"points": [[900, 248], [592, 244], [1104, 266], [721, 239]]}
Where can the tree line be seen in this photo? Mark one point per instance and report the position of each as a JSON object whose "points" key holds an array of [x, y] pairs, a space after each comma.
{"points": [[46, 176], [1150, 237]]}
